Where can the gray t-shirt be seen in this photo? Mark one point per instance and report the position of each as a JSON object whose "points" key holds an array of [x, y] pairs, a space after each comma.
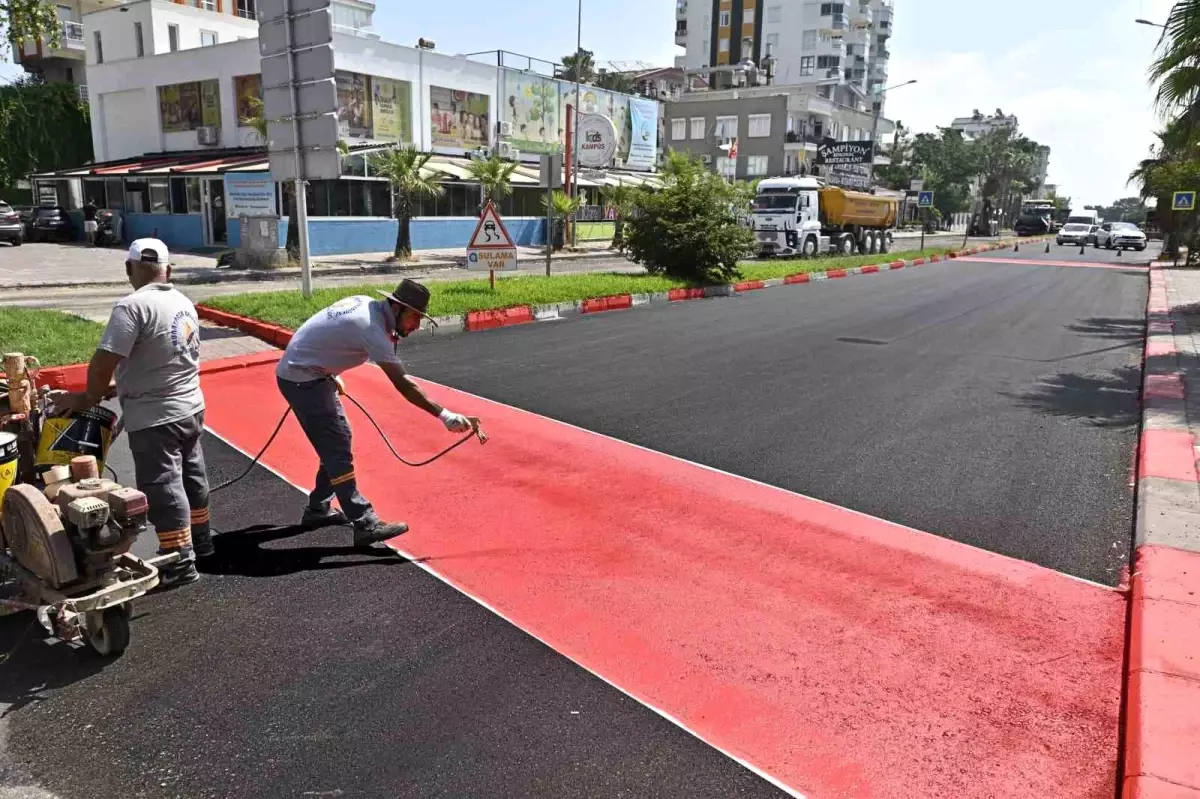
{"points": [[347, 334], [156, 331]]}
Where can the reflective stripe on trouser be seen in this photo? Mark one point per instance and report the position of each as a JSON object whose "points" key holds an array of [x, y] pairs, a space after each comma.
{"points": [[169, 465], [321, 416]]}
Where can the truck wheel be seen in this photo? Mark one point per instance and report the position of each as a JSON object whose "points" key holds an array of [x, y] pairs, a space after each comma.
{"points": [[810, 247], [848, 246], [885, 242], [872, 243]]}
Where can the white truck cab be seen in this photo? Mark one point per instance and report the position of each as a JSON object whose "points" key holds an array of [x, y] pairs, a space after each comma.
{"points": [[786, 217]]}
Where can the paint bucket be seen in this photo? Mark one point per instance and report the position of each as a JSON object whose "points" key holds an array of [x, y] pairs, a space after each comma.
{"points": [[83, 433], [8, 461]]}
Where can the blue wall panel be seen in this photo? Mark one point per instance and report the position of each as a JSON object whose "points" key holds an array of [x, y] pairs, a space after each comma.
{"points": [[180, 232]]}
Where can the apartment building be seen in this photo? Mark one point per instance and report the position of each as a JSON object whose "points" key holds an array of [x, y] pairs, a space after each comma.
{"points": [[841, 47], [763, 131], [979, 124], [66, 62]]}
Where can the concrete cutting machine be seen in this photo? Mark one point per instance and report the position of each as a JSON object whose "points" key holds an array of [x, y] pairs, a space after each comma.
{"points": [[65, 532]]}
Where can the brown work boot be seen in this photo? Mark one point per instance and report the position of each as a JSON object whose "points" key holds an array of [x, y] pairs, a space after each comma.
{"points": [[371, 530]]}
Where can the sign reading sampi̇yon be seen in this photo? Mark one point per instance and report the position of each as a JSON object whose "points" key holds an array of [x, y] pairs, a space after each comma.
{"points": [[844, 152]]}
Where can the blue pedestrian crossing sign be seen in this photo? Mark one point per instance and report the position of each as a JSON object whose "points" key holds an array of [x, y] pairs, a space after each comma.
{"points": [[1184, 201], [924, 199]]}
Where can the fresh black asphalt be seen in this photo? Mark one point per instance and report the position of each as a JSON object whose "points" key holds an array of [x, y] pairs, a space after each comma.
{"points": [[992, 403], [298, 667]]}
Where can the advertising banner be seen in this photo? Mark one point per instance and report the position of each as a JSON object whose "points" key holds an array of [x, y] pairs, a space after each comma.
{"points": [[458, 119], [249, 194], [532, 108], [643, 140], [247, 88], [597, 141], [187, 106], [844, 153], [391, 105], [354, 105]]}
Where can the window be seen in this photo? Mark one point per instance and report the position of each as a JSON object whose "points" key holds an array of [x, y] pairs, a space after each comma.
{"points": [[160, 196], [724, 20], [99, 47], [726, 166], [179, 195], [772, 42], [207, 5], [809, 40], [828, 9], [246, 9], [697, 132], [727, 127], [756, 165], [208, 38], [723, 46], [173, 37], [774, 13], [139, 43], [678, 129], [70, 75], [760, 126], [748, 16], [807, 65], [828, 61]]}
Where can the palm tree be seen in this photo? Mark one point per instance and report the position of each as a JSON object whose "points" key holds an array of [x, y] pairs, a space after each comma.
{"points": [[620, 199], [561, 206], [494, 175], [616, 82], [404, 168], [1175, 70], [581, 66]]}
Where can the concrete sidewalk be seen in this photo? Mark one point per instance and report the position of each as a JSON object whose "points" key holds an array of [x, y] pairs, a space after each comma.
{"points": [[1162, 740]]}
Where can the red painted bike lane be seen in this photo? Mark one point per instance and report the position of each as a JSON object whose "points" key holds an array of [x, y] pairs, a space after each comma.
{"points": [[839, 654]]}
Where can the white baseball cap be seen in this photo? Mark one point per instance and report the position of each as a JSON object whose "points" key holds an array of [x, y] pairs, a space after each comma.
{"points": [[150, 251]]}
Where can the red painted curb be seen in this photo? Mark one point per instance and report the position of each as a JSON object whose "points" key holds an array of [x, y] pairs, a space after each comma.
{"points": [[792, 279], [238, 362], [67, 378], [1159, 348], [615, 302], [748, 285], [919, 262], [503, 317], [676, 295], [1163, 386], [1167, 453], [832, 273], [898, 264], [933, 259], [867, 270]]}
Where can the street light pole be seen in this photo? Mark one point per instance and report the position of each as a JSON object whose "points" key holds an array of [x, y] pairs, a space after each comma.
{"points": [[575, 155], [1151, 24], [875, 127]]}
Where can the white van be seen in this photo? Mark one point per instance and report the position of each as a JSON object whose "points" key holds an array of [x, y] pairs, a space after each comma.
{"points": [[1085, 217]]}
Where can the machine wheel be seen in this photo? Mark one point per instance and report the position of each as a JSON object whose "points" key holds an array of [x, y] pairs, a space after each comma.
{"points": [[108, 631], [810, 247]]}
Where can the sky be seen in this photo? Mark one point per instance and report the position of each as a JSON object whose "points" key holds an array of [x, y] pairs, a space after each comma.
{"points": [[1073, 71]]}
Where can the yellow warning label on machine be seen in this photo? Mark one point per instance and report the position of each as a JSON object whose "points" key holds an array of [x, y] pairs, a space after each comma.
{"points": [[86, 433]]}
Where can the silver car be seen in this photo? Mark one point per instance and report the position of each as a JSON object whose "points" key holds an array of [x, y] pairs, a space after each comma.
{"points": [[1073, 233], [1120, 236]]}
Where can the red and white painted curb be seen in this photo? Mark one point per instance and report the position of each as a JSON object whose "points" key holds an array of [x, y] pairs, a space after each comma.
{"points": [[475, 321], [1162, 711]]}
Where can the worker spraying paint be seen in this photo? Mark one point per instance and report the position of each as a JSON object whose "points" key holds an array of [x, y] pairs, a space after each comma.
{"points": [[347, 334]]}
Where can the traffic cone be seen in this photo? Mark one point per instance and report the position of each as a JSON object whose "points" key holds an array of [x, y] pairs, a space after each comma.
{"points": [[1047, 246], [1081, 249], [1119, 251], [1017, 247]]}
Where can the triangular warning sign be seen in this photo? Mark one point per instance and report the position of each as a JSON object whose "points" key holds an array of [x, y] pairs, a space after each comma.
{"points": [[490, 233]]}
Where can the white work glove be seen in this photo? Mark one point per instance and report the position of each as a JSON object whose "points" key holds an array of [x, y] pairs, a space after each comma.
{"points": [[455, 422]]}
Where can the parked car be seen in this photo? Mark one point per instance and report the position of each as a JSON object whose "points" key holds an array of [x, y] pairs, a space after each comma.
{"points": [[1121, 236], [1091, 236], [11, 229], [26, 214], [1073, 233], [52, 222]]}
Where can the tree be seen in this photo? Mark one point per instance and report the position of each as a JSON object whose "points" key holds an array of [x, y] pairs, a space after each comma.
{"points": [[690, 228], [43, 126], [616, 82], [562, 206], [581, 64], [494, 174], [29, 19], [404, 168], [620, 199]]}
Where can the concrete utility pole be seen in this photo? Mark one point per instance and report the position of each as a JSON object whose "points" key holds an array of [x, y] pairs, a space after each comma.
{"points": [[875, 127]]}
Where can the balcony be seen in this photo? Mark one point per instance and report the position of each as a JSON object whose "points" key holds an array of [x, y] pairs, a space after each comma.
{"points": [[681, 8], [72, 35], [247, 13], [83, 92], [838, 22]]}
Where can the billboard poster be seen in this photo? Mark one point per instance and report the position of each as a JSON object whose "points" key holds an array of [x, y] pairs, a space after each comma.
{"points": [[246, 89], [210, 102], [354, 105], [187, 106], [643, 141], [458, 119], [532, 108], [391, 106]]}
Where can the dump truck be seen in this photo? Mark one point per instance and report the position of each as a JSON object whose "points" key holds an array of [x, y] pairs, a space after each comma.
{"points": [[804, 216]]}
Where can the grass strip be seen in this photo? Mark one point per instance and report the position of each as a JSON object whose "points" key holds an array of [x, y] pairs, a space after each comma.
{"points": [[53, 337]]}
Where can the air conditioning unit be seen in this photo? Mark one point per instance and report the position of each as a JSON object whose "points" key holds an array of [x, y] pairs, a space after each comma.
{"points": [[505, 128], [705, 158], [208, 135], [509, 151]]}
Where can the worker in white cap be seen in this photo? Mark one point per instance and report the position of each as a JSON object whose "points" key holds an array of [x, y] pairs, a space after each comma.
{"points": [[152, 347]]}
